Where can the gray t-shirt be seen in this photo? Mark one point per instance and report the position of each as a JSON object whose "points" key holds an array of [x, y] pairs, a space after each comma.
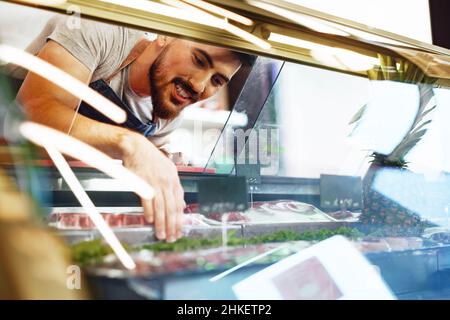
{"points": [[102, 48]]}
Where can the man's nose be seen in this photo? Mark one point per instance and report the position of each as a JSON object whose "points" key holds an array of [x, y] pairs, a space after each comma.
{"points": [[198, 83]]}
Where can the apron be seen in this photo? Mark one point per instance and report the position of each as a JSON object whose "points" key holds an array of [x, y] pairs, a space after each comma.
{"points": [[102, 87]]}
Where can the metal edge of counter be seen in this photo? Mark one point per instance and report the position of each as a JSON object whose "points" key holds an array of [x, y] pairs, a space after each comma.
{"points": [[264, 21]]}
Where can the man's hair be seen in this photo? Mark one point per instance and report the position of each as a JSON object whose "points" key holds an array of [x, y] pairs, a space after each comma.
{"points": [[245, 58]]}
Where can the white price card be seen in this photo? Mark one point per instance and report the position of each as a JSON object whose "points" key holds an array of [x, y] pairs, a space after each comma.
{"points": [[329, 270]]}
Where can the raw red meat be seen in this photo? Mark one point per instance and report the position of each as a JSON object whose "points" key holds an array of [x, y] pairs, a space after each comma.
{"points": [[70, 220], [263, 207], [268, 210], [341, 214], [84, 222], [67, 220], [191, 208], [137, 220], [113, 220]]}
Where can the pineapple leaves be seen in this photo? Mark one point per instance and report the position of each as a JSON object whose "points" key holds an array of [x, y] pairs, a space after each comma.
{"points": [[417, 135], [358, 114], [399, 69], [403, 149], [412, 133], [426, 94], [423, 115], [408, 143]]}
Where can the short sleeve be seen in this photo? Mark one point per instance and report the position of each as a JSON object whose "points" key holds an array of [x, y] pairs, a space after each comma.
{"points": [[86, 40]]}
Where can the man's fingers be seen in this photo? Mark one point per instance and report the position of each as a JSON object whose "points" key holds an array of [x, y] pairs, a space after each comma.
{"points": [[160, 219], [179, 225], [147, 205], [169, 205], [180, 205]]}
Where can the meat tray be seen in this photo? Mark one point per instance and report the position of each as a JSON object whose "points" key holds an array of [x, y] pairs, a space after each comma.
{"points": [[130, 226]]}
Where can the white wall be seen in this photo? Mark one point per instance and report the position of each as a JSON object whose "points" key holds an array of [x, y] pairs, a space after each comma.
{"points": [[410, 18], [19, 25], [315, 107]]}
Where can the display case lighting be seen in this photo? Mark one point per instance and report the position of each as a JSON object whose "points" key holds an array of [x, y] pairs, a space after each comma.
{"points": [[45, 136], [87, 204], [169, 11], [223, 23], [220, 11], [296, 42], [182, 10], [9, 54], [332, 56], [301, 19], [45, 2]]}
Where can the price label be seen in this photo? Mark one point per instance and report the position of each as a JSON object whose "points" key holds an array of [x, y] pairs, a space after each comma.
{"points": [[222, 194], [338, 192], [252, 172]]}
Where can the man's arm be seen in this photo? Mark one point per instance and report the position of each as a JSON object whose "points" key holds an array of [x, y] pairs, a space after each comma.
{"points": [[46, 103], [50, 105]]}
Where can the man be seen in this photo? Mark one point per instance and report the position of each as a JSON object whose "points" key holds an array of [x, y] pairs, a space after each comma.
{"points": [[153, 81]]}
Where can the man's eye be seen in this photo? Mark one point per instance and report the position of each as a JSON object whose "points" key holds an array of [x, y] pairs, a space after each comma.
{"points": [[217, 81], [198, 61]]}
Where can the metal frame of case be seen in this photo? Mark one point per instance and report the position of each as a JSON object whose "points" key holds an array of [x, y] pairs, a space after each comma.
{"points": [[264, 23], [431, 263]]}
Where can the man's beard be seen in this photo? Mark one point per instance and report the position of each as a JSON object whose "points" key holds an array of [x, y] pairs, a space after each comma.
{"points": [[161, 109]]}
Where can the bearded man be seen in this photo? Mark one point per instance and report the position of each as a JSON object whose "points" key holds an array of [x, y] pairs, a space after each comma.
{"points": [[152, 78]]}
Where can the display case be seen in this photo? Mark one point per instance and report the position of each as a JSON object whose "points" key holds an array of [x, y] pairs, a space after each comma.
{"points": [[345, 133]]}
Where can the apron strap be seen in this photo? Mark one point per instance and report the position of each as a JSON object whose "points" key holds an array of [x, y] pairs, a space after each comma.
{"points": [[134, 53]]}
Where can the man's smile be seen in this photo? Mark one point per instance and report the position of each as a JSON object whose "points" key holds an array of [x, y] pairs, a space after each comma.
{"points": [[183, 93]]}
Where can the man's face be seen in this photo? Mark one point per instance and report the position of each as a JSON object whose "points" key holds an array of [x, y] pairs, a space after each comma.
{"points": [[186, 72]]}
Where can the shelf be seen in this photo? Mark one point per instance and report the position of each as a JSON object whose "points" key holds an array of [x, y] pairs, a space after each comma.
{"points": [[212, 118]]}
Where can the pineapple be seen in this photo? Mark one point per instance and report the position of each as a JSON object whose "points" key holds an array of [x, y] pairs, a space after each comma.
{"points": [[381, 214]]}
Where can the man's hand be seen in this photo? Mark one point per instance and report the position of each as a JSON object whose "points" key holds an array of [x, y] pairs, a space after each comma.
{"points": [[48, 104], [165, 210]]}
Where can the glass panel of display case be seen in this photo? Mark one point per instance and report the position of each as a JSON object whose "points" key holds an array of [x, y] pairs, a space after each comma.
{"points": [[361, 154], [197, 131], [387, 130], [255, 94]]}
